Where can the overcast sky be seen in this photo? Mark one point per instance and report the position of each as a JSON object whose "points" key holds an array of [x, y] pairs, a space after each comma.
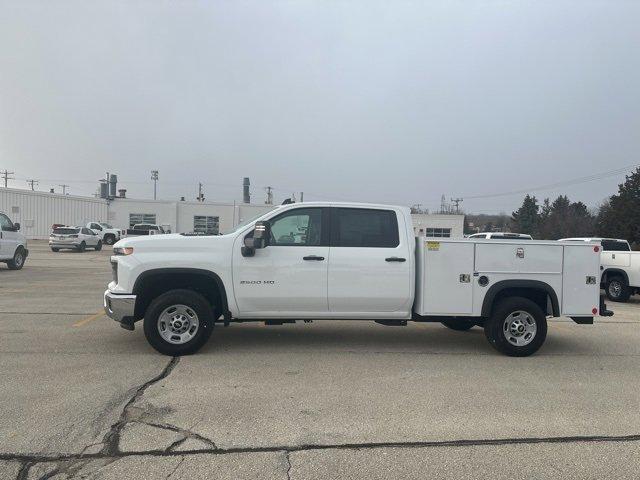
{"points": [[392, 102]]}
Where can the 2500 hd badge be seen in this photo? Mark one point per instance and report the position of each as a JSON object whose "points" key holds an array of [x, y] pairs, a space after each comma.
{"points": [[257, 282]]}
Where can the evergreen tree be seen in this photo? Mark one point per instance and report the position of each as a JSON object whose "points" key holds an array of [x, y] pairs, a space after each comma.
{"points": [[525, 219], [620, 216]]}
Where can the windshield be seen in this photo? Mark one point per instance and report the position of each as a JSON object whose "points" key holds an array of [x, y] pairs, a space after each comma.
{"points": [[243, 224], [106, 225]]}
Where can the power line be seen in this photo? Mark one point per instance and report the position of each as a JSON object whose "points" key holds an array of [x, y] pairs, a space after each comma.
{"points": [[32, 183], [551, 186]]}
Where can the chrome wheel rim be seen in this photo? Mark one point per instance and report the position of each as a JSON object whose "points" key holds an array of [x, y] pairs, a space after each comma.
{"points": [[519, 328], [178, 324], [18, 260], [615, 288]]}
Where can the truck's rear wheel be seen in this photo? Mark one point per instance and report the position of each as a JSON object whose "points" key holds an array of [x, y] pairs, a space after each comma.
{"points": [[617, 289], [459, 325], [517, 327], [178, 322]]}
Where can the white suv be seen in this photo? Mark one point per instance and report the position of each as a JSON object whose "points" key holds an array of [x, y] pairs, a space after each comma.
{"points": [[75, 238], [13, 245]]}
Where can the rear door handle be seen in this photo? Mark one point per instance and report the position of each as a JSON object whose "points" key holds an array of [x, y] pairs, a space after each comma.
{"points": [[313, 257], [395, 259]]}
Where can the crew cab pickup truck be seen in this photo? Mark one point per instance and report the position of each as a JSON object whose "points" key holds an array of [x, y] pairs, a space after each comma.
{"points": [[620, 267], [315, 261], [108, 235]]}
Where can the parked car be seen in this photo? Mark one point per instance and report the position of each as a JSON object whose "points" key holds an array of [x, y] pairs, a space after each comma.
{"points": [[501, 236], [74, 238], [13, 245], [349, 262], [106, 232], [620, 267], [145, 229]]}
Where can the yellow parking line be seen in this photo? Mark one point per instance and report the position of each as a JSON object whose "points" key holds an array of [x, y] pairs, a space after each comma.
{"points": [[93, 317]]}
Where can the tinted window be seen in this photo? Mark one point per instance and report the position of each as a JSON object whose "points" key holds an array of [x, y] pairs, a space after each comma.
{"points": [[5, 223], [506, 236], [302, 226], [359, 227], [65, 231], [615, 246]]}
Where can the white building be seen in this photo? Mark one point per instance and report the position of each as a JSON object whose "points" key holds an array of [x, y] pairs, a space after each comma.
{"points": [[438, 225], [38, 211]]}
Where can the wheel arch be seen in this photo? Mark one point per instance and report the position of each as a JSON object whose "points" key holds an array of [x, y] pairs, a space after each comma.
{"points": [[155, 282], [614, 272], [539, 292]]}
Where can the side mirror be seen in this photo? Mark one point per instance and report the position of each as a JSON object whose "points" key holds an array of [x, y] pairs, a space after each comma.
{"points": [[260, 239], [261, 234], [16, 227]]}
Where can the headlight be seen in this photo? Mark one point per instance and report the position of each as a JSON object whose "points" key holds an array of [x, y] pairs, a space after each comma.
{"points": [[123, 250]]}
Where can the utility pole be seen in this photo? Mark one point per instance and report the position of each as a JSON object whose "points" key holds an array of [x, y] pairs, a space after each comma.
{"points": [[457, 201], [5, 174], [32, 183], [64, 188], [269, 200], [154, 177], [200, 194], [301, 197]]}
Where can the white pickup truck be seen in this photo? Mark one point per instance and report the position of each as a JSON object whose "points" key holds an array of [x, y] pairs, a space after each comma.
{"points": [[107, 233], [620, 267], [315, 261]]}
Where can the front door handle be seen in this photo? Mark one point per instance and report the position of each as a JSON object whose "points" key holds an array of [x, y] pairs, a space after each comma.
{"points": [[395, 259], [313, 257]]}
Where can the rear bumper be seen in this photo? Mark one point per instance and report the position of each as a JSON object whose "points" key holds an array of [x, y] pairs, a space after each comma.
{"points": [[121, 308], [55, 244]]}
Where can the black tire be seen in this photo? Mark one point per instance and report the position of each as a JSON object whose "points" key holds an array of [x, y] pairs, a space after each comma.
{"points": [[499, 333], [82, 247], [458, 325], [188, 298], [109, 239], [98, 246], [17, 262], [617, 289], [55, 249]]}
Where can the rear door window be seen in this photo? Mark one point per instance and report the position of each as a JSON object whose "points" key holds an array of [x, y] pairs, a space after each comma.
{"points": [[615, 246], [65, 231], [361, 227]]}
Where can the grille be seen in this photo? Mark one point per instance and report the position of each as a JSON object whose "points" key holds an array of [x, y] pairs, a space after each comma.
{"points": [[114, 271]]}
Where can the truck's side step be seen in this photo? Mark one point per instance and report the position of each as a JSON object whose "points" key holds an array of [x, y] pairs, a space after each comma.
{"points": [[277, 321], [392, 323]]}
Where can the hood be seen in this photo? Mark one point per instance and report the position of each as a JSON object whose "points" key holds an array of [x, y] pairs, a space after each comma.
{"points": [[173, 241]]}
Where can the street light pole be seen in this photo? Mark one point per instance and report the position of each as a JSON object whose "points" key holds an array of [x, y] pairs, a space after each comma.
{"points": [[154, 177]]}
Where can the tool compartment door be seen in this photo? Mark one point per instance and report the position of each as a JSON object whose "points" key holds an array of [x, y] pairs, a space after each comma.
{"points": [[445, 292], [578, 296]]}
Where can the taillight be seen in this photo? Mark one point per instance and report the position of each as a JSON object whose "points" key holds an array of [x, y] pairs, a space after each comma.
{"points": [[594, 311], [73, 236], [596, 249]]}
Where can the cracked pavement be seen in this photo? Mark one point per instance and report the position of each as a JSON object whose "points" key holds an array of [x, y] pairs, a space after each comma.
{"points": [[322, 400]]}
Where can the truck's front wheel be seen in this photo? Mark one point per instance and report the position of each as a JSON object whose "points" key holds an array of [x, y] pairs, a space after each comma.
{"points": [[517, 327], [178, 322]]}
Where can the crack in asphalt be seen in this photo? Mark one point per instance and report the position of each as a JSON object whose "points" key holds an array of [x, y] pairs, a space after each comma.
{"points": [[34, 458], [288, 459], [111, 440]]}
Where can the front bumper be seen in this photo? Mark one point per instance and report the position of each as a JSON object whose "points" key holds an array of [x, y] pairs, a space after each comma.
{"points": [[120, 307]]}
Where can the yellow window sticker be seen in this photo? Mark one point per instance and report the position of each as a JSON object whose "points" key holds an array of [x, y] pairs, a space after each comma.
{"points": [[433, 246]]}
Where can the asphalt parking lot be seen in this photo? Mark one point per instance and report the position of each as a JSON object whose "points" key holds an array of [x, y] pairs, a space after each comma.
{"points": [[83, 398]]}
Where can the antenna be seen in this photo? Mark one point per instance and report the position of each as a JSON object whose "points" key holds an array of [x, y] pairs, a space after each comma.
{"points": [[269, 200]]}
